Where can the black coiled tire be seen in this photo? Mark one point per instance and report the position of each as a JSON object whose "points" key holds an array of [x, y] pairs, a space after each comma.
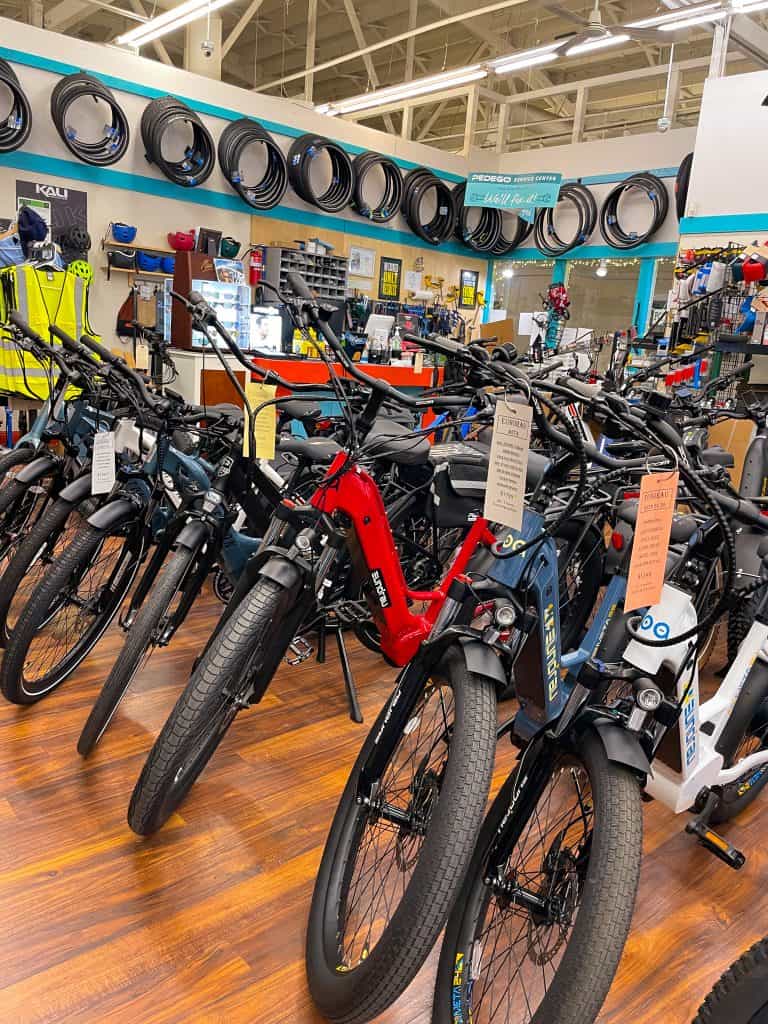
{"points": [[112, 146], [682, 182], [439, 228], [545, 234], [485, 234], [14, 131], [236, 138], [199, 157], [389, 204], [610, 226], [301, 155], [509, 240]]}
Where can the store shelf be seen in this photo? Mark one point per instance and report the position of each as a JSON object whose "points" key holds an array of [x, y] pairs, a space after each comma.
{"points": [[137, 273], [327, 275], [135, 247]]}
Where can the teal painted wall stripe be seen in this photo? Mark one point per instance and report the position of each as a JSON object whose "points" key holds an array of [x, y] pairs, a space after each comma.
{"points": [[737, 222], [644, 293], [488, 290], [35, 163], [610, 179], [58, 67], [657, 250]]}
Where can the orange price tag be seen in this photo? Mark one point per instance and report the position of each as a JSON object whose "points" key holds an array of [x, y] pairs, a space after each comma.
{"points": [[658, 493]]}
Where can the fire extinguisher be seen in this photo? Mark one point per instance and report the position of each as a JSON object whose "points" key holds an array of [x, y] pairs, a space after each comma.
{"points": [[256, 266]]}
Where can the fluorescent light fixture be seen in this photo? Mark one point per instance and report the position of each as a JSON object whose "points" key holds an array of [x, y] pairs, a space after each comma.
{"points": [[597, 44], [525, 58], [528, 62], [169, 21], [404, 91], [681, 14], [699, 19], [745, 7]]}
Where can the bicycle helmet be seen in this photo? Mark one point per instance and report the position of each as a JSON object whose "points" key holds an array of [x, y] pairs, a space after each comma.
{"points": [[168, 264], [182, 241], [123, 233], [75, 243], [82, 269], [229, 247], [147, 262]]}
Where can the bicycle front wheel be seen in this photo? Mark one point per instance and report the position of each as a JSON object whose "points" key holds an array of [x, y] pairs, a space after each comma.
{"points": [[394, 859], [741, 994], [68, 612], [538, 930]]}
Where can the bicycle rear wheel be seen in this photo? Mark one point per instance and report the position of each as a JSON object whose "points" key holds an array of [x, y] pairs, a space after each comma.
{"points": [[154, 620], [741, 994], [68, 612], [398, 848], [537, 932]]}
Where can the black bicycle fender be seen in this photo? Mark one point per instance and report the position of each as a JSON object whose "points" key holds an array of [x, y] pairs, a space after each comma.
{"points": [[747, 559], [77, 491], [192, 535], [36, 469], [113, 513], [481, 661], [621, 747], [282, 571]]}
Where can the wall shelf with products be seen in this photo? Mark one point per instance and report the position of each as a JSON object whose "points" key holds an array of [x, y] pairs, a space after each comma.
{"points": [[327, 275]]}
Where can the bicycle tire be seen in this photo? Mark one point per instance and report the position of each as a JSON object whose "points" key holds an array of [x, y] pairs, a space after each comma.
{"points": [[137, 642], [602, 921], [741, 994], [16, 457], [205, 710], [44, 606], [740, 619], [352, 995], [25, 569]]}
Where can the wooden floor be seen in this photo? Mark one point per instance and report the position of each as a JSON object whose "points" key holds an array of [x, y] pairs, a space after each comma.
{"points": [[205, 922]]}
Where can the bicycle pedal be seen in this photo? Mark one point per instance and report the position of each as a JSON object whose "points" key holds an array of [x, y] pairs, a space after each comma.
{"points": [[302, 650], [716, 844]]}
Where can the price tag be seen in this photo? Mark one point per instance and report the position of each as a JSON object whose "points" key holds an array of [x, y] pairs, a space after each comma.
{"points": [[103, 463], [142, 356], [508, 463], [265, 424], [658, 493], [418, 362]]}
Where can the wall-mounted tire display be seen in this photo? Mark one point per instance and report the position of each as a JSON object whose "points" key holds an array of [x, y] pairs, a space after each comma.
{"points": [[388, 204], [116, 134], [510, 239], [235, 140], [545, 233], [482, 235], [301, 156], [14, 130], [199, 158], [682, 182], [654, 190], [419, 184]]}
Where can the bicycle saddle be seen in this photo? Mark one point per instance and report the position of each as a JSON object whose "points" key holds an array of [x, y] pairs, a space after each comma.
{"points": [[309, 449], [298, 410], [683, 526], [390, 440], [717, 456]]}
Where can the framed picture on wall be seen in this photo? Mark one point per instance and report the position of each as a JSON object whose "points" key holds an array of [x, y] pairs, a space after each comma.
{"points": [[468, 282], [390, 272], [361, 261]]}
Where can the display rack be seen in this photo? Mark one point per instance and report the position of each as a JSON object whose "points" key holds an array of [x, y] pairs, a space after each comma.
{"points": [[327, 275]]}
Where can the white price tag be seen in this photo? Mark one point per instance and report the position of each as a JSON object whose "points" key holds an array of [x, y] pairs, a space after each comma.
{"points": [[505, 490], [418, 362], [142, 356], [103, 463]]}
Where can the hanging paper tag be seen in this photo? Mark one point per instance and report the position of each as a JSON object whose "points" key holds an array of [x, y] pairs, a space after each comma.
{"points": [[505, 490], [265, 424], [418, 362], [142, 356], [658, 493], [103, 463]]}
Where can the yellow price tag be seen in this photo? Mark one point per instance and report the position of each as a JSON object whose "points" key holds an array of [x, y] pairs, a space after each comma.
{"points": [[265, 424]]}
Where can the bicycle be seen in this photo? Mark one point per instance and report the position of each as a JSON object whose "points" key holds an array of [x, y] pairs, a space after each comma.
{"points": [[741, 994]]}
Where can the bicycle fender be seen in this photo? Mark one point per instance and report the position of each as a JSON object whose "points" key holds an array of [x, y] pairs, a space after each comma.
{"points": [[192, 535], [481, 661], [36, 469], [282, 571], [622, 747], [747, 559], [77, 491], [112, 514]]}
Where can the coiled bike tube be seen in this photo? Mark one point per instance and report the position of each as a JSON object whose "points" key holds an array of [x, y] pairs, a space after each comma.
{"points": [[14, 131], [417, 185], [545, 234], [301, 156], [199, 157], [389, 203], [654, 190], [114, 142], [236, 138]]}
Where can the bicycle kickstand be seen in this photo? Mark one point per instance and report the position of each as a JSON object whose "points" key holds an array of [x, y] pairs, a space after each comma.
{"points": [[349, 683]]}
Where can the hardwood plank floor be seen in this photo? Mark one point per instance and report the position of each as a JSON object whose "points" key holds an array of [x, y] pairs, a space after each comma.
{"points": [[205, 921]]}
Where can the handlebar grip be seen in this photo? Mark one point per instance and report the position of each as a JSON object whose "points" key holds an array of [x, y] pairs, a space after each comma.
{"points": [[299, 286], [196, 299], [437, 343], [15, 318], [103, 353], [589, 391]]}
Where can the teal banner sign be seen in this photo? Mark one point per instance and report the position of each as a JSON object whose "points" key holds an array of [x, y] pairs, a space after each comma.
{"points": [[512, 191]]}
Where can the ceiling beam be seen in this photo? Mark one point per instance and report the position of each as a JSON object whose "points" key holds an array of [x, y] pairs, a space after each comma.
{"points": [[242, 24], [476, 12], [373, 77], [751, 39]]}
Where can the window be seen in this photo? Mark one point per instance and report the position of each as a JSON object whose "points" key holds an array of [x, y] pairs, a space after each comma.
{"points": [[517, 288]]}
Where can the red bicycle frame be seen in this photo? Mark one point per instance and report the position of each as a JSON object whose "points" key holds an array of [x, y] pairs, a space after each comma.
{"points": [[356, 494]]}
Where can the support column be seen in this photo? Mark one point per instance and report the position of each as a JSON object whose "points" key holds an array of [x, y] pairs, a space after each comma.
{"points": [[644, 293], [560, 272], [410, 44], [579, 111], [501, 128], [407, 128], [309, 81], [473, 102], [197, 33], [35, 13]]}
